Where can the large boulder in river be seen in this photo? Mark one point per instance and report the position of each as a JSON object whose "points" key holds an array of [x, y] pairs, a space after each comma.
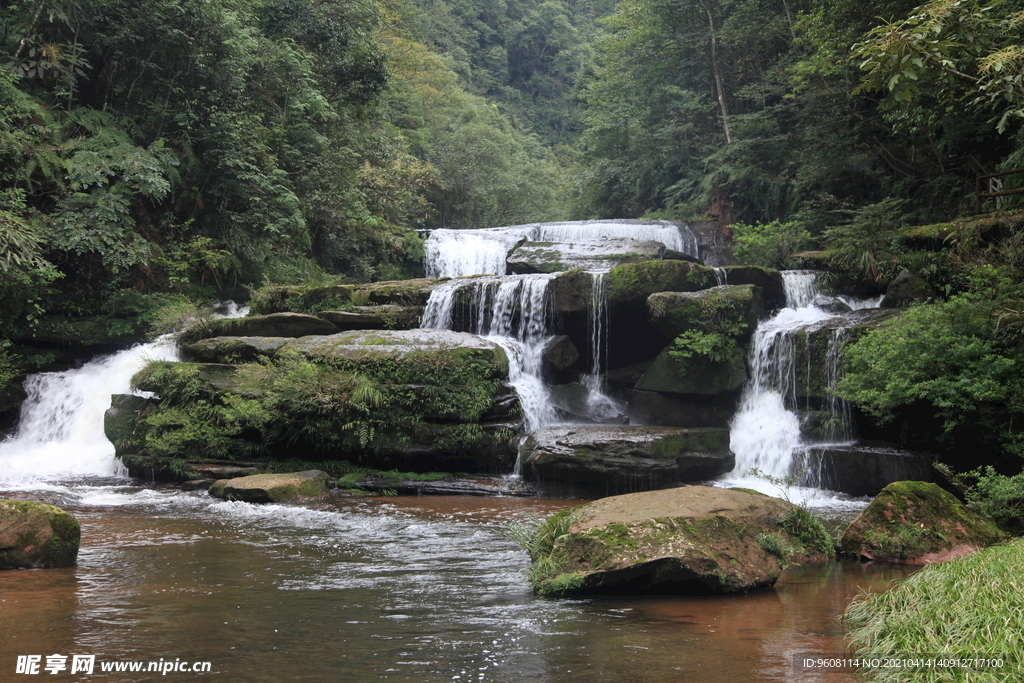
{"points": [[36, 535], [629, 285], [696, 375], [693, 540], [590, 461], [273, 488], [234, 349], [916, 522], [773, 289]]}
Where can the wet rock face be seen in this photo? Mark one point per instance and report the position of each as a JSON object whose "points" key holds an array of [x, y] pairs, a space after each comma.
{"points": [[273, 488], [272, 325], [693, 540], [860, 469], [601, 254], [916, 522], [585, 461], [36, 535]]}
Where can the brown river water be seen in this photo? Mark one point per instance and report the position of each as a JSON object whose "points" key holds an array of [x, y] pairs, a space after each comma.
{"points": [[412, 589]]}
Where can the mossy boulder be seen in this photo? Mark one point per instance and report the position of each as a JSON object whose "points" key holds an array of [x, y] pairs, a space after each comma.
{"points": [[418, 345], [273, 488], [693, 540], [677, 410], [399, 292], [383, 317], [773, 290], [121, 421], [36, 535], [571, 291], [908, 289], [272, 325], [629, 285], [590, 461], [693, 376], [917, 522], [234, 349], [735, 308]]}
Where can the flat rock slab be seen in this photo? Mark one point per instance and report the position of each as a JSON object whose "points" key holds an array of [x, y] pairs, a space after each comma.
{"points": [[916, 522], [234, 349], [368, 344], [383, 317], [273, 488], [591, 254], [590, 461], [36, 535], [693, 540], [271, 325]]}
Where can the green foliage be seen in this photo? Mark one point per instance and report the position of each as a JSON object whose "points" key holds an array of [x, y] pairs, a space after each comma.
{"points": [[997, 496], [538, 536], [808, 533], [769, 244], [950, 372], [975, 599]]}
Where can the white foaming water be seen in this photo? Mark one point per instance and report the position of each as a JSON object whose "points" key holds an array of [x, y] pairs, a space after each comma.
{"points": [[860, 303], [60, 428], [511, 311], [457, 253], [764, 432]]}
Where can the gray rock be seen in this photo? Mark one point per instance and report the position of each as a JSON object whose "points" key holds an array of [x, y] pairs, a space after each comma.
{"points": [[861, 469], [383, 317], [593, 461], [559, 355], [722, 307], [273, 488], [600, 254], [773, 291], [674, 410], [831, 304], [577, 401]]}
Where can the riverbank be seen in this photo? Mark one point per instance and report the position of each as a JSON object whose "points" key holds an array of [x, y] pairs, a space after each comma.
{"points": [[970, 609]]}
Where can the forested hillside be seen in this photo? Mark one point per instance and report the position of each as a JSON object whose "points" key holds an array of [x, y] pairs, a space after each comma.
{"points": [[156, 154]]}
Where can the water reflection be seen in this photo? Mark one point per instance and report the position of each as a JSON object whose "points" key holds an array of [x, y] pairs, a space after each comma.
{"points": [[397, 589]]}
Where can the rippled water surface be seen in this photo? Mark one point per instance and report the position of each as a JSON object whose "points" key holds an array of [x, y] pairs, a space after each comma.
{"points": [[383, 589]]}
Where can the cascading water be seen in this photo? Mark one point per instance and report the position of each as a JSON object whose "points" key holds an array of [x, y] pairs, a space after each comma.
{"points": [[457, 253], [511, 311], [765, 432], [60, 429]]}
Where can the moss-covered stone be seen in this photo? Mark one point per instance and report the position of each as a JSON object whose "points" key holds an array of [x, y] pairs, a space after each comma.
{"points": [[729, 307], [234, 349], [629, 285], [273, 488], [916, 522], [773, 290], [121, 422], [383, 317], [908, 289], [271, 325], [36, 535], [696, 376], [693, 540]]}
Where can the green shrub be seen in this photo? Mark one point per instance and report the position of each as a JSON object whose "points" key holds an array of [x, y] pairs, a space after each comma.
{"points": [[769, 244]]}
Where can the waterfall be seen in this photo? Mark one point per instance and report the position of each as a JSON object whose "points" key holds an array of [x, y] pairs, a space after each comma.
{"points": [[512, 311], [721, 276], [60, 428], [765, 431], [457, 253]]}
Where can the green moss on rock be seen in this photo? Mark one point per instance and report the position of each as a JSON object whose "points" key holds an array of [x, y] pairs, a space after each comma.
{"points": [[916, 522], [37, 535]]}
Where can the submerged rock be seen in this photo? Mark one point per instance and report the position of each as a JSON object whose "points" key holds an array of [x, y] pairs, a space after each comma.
{"points": [[916, 522], [273, 488], [589, 461], [36, 535], [694, 540]]}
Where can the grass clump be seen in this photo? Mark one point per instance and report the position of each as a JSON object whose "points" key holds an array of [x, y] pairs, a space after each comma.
{"points": [[972, 607], [537, 537]]}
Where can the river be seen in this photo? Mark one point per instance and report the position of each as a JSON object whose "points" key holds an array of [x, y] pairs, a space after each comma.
{"points": [[416, 589]]}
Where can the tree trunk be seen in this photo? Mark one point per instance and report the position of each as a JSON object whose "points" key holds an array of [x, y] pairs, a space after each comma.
{"points": [[717, 72]]}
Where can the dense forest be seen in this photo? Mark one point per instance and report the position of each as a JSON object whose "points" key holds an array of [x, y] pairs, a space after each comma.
{"points": [[157, 155]]}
